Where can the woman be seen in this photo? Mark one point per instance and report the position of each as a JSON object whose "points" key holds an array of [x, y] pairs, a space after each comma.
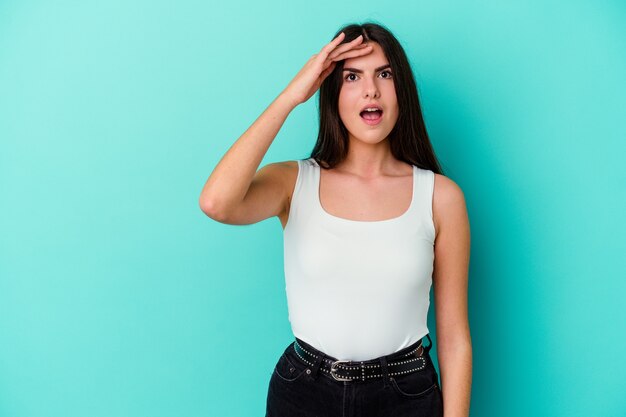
{"points": [[369, 224]]}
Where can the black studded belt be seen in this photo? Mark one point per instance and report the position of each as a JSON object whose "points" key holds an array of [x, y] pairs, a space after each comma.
{"points": [[410, 359]]}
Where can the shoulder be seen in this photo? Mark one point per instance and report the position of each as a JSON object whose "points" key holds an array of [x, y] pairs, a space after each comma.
{"points": [[446, 190], [285, 173], [282, 170], [448, 202], [285, 170]]}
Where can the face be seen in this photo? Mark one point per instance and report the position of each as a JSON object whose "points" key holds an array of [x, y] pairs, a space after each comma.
{"points": [[368, 80]]}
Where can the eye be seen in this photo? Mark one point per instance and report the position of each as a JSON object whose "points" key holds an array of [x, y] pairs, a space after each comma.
{"points": [[390, 75]]}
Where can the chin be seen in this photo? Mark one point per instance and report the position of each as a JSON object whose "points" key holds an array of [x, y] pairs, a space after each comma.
{"points": [[371, 137]]}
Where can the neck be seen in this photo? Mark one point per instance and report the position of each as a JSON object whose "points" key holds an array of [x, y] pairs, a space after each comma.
{"points": [[368, 159]]}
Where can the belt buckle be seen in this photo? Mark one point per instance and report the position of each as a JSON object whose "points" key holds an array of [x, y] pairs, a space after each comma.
{"points": [[338, 378]]}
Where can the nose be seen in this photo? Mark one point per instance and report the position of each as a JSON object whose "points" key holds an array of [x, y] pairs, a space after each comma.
{"points": [[370, 89]]}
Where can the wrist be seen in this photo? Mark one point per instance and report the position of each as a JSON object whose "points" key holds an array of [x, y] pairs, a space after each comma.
{"points": [[287, 100]]}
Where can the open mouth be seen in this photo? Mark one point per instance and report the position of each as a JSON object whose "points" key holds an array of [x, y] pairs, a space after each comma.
{"points": [[372, 117]]}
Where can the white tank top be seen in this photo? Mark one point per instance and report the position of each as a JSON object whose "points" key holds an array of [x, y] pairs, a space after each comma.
{"points": [[357, 290]]}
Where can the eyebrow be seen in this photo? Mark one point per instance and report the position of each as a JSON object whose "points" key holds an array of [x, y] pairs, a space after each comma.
{"points": [[360, 71]]}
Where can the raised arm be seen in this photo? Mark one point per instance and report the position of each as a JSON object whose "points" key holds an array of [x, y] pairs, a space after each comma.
{"points": [[235, 192], [223, 197]]}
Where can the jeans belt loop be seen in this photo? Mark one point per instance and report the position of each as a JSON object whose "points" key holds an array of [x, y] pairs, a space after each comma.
{"points": [[383, 365]]}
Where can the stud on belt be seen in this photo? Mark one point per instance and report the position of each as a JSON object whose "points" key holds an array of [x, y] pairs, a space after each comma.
{"points": [[343, 370]]}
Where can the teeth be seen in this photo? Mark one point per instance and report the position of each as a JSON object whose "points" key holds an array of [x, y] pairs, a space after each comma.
{"points": [[372, 109]]}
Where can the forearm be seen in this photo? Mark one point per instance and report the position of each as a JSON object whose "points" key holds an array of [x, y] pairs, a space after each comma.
{"points": [[455, 365], [229, 182]]}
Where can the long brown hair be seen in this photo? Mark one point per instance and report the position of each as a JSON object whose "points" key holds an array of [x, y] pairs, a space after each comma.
{"points": [[408, 139]]}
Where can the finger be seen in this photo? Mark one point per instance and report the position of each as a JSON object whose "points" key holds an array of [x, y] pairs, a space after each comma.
{"points": [[340, 50], [329, 47], [327, 63], [353, 53], [328, 71], [355, 43]]}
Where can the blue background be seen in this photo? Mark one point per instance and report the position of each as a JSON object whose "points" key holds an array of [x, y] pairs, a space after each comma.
{"points": [[119, 297]]}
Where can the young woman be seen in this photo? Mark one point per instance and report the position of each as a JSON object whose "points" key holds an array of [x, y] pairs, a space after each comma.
{"points": [[370, 222]]}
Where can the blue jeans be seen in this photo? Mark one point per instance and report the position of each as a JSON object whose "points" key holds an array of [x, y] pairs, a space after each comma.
{"points": [[297, 389]]}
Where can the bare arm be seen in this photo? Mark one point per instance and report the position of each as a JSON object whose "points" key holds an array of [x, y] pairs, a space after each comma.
{"points": [[450, 280], [230, 180], [236, 193]]}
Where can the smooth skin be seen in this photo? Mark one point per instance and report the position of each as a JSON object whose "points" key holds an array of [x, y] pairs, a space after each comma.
{"points": [[369, 185]]}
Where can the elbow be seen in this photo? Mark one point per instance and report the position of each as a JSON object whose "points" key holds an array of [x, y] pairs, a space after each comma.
{"points": [[212, 209]]}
